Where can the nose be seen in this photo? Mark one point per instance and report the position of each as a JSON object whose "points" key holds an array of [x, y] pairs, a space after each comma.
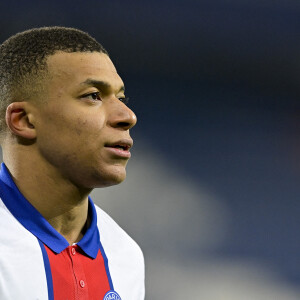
{"points": [[121, 116]]}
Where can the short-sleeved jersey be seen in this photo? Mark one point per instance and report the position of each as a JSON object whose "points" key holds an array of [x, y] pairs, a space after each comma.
{"points": [[37, 262]]}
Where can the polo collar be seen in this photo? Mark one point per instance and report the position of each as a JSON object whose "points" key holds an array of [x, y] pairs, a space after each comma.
{"points": [[33, 221]]}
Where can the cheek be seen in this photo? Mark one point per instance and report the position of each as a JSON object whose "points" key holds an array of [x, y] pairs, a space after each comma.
{"points": [[67, 133], [85, 128], [73, 132], [79, 127]]}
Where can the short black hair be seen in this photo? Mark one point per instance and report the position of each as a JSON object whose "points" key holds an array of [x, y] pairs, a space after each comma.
{"points": [[23, 58]]}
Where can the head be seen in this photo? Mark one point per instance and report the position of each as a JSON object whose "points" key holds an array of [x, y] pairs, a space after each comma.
{"points": [[62, 103]]}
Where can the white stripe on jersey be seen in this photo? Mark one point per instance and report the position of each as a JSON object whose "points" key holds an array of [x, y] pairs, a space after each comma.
{"points": [[22, 275], [125, 258]]}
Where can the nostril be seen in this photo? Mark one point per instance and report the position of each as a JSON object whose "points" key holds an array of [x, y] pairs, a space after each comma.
{"points": [[123, 124]]}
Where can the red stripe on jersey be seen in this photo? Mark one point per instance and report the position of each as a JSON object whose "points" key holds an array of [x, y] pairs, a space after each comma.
{"points": [[77, 276]]}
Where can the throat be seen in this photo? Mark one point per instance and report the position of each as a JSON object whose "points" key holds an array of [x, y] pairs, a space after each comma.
{"points": [[72, 225]]}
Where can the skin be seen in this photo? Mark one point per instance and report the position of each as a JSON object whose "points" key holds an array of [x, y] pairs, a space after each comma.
{"points": [[55, 146]]}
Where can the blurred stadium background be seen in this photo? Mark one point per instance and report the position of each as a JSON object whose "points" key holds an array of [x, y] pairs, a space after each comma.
{"points": [[212, 194]]}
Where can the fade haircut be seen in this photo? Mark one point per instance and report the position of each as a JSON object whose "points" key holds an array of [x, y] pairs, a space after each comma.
{"points": [[23, 60]]}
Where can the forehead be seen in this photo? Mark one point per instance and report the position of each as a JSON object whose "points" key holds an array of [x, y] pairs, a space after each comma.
{"points": [[70, 69]]}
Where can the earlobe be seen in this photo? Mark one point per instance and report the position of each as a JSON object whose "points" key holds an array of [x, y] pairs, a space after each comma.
{"points": [[19, 120]]}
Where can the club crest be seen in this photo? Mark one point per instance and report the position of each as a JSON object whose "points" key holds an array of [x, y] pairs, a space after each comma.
{"points": [[111, 295]]}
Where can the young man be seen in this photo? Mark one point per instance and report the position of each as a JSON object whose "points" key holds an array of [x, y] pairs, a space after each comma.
{"points": [[64, 131]]}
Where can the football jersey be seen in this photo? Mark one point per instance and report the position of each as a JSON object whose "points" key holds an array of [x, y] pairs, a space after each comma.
{"points": [[37, 262]]}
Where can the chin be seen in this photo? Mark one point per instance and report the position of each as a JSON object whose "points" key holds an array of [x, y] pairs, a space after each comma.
{"points": [[110, 178]]}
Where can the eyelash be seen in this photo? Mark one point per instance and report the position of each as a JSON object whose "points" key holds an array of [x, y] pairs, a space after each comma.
{"points": [[125, 100], [96, 94]]}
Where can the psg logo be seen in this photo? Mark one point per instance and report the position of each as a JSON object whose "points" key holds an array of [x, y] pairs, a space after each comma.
{"points": [[111, 295]]}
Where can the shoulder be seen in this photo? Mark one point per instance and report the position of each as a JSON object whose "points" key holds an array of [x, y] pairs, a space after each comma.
{"points": [[21, 260], [14, 231], [14, 236]]}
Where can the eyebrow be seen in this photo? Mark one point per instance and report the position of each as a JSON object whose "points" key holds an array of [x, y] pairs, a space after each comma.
{"points": [[101, 84]]}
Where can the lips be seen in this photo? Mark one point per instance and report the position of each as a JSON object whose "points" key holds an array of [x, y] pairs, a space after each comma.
{"points": [[124, 144], [120, 148]]}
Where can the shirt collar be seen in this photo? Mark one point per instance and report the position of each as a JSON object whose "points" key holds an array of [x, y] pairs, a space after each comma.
{"points": [[33, 221]]}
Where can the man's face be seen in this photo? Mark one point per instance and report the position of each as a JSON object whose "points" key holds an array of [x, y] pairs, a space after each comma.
{"points": [[83, 126]]}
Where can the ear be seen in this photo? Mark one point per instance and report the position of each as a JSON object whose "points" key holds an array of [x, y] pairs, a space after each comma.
{"points": [[20, 120]]}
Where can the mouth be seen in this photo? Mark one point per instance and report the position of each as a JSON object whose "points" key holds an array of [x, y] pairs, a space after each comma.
{"points": [[120, 148]]}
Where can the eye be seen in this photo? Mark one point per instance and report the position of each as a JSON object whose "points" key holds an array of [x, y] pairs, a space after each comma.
{"points": [[125, 100], [92, 96]]}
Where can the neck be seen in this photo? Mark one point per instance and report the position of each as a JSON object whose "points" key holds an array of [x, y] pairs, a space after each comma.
{"points": [[61, 203]]}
